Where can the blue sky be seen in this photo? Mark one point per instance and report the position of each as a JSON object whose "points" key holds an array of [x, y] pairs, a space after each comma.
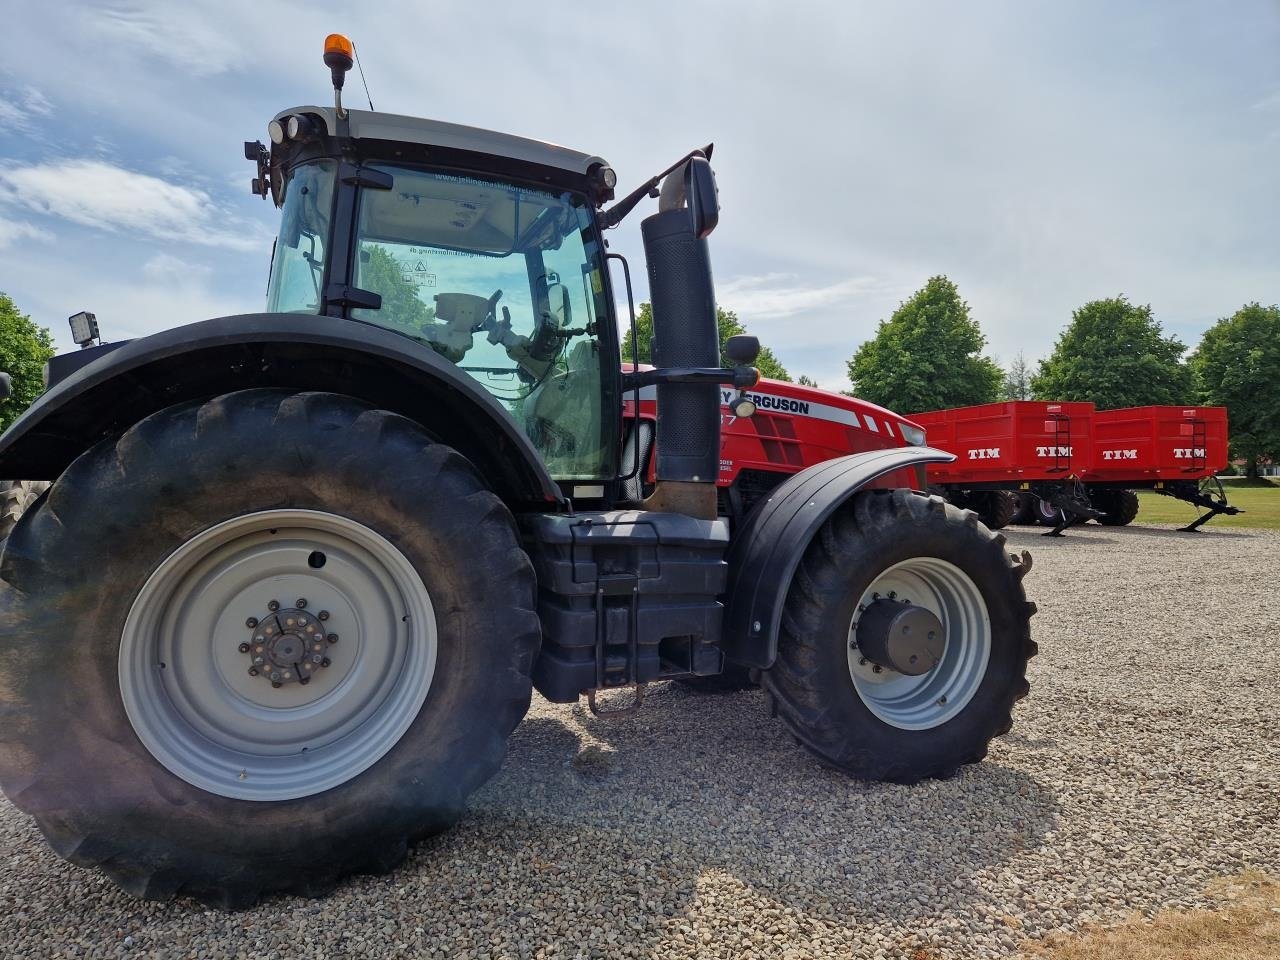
{"points": [[1039, 154]]}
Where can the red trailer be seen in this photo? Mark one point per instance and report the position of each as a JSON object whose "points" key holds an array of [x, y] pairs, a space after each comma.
{"points": [[1031, 446], [1177, 451]]}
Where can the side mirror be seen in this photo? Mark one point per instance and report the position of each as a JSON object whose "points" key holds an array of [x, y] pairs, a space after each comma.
{"points": [[6, 386], [702, 196], [742, 349]]}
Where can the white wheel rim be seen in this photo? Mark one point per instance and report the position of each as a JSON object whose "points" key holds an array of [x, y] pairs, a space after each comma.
{"points": [[186, 685], [929, 700]]}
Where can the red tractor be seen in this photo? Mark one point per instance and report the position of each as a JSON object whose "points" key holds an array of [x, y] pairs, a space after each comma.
{"points": [[299, 572]]}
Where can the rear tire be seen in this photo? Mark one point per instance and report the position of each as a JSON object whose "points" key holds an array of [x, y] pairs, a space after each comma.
{"points": [[945, 559], [16, 497], [77, 750], [1119, 507]]}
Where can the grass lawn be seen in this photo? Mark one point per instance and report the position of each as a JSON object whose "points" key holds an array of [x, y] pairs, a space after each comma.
{"points": [[1260, 499]]}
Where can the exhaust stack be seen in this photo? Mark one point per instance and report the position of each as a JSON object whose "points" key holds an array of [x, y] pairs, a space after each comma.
{"points": [[685, 334]]}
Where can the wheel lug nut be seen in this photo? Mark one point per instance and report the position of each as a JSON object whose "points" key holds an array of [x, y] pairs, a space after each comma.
{"points": [[244, 647], [273, 606], [259, 660], [304, 680], [325, 662], [253, 671], [275, 677], [301, 603], [323, 614], [251, 622], [316, 658], [277, 684], [332, 638], [876, 668], [862, 661]]}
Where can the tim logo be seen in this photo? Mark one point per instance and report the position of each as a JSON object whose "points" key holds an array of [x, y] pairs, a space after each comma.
{"points": [[1119, 454], [1053, 452], [1188, 453], [985, 453]]}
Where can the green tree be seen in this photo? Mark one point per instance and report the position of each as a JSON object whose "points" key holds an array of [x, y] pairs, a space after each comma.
{"points": [[1237, 365], [730, 326], [383, 274], [927, 356], [1115, 354], [806, 381], [1017, 380], [24, 350]]}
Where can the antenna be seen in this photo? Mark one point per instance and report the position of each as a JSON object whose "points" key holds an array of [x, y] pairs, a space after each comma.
{"points": [[362, 79]]}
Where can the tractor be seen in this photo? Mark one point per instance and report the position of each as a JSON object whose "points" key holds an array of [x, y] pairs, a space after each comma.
{"points": [[298, 572]]}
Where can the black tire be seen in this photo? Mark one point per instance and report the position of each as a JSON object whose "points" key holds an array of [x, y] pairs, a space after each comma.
{"points": [[68, 752], [810, 684], [1119, 507], [16, 497], [996, 508], [1025, 512], [1047, 515]]}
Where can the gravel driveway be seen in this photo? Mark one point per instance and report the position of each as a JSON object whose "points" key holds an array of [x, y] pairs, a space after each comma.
{"points": [[1142, 765]]}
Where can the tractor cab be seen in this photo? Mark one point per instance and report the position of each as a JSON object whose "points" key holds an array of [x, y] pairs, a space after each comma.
{"points": [[480, 246]]}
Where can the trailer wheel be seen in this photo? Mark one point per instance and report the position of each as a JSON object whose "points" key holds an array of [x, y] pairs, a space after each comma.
{"points": [[930, 563], [1119, 507], [1025, 512], [996, 508], [16, 497], [259, 643], [1047, 515]]}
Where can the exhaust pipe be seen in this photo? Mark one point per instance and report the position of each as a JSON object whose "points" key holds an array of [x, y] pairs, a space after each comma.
{"points": [[685, 334]]}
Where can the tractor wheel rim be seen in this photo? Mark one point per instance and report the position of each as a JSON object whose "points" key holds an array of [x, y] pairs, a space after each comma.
{"points": [[929, 700], [186, 654]]}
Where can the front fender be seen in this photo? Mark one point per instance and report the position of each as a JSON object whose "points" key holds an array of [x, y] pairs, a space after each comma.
{"points": [[764, 556], [292, 351]]}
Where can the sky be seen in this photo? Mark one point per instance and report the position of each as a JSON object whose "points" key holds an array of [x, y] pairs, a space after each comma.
{"points": [[1039, 154]]}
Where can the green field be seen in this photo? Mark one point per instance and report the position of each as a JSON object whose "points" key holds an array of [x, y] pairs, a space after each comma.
{"points": [[1260, 499]]}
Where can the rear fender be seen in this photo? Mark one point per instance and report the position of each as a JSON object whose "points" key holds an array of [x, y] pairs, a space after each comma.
{"points": [[763, 558], [105, 397]]}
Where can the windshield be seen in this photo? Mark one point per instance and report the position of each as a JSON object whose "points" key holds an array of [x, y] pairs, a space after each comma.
{"points": [[506, 282]]}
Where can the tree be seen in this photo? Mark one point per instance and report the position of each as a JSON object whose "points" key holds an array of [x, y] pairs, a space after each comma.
{"points": [[726, 320], [1237, 365], [1115, 354], [24, 350], [1017, 380], [384, 275], [806, 381], [927, 356]]}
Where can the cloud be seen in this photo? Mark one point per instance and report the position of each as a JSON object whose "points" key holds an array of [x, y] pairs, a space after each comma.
{"points": [[773, 296], [12, 231], [166, 269], [97, 194], [180, 36], [19, 110]]}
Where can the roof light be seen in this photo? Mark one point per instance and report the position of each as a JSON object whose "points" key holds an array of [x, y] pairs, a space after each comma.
{"points": [[336, 45], [275, 129], [84, 328]]}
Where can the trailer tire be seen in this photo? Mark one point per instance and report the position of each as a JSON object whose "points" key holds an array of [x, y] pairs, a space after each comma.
{"points": [[996, 508], [16, 497], [817, 684], [1119, 507], [77, 750], [1025, 513]]}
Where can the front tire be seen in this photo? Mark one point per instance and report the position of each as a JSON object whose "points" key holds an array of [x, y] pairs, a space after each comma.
{"points": [[883, 726], [133, 729]]}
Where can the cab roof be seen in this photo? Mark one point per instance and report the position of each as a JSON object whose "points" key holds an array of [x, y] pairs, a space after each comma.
{"points": [[371, 125]]}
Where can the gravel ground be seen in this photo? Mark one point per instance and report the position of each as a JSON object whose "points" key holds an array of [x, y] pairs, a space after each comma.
{"points": [[1143, 765]]}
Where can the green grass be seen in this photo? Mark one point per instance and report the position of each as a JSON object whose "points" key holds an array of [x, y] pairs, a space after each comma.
{"points": [[1259, 499]]}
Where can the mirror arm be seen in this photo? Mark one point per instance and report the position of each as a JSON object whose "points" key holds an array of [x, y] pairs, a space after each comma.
{"points": [[615, 214], [739, 377]]}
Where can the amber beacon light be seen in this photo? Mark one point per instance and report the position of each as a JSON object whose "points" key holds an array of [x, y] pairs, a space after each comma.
{"points": [[339, 55]]}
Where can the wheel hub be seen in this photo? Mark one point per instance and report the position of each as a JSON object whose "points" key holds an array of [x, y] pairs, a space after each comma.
{"points": [[901, 636], [288, 646]]}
